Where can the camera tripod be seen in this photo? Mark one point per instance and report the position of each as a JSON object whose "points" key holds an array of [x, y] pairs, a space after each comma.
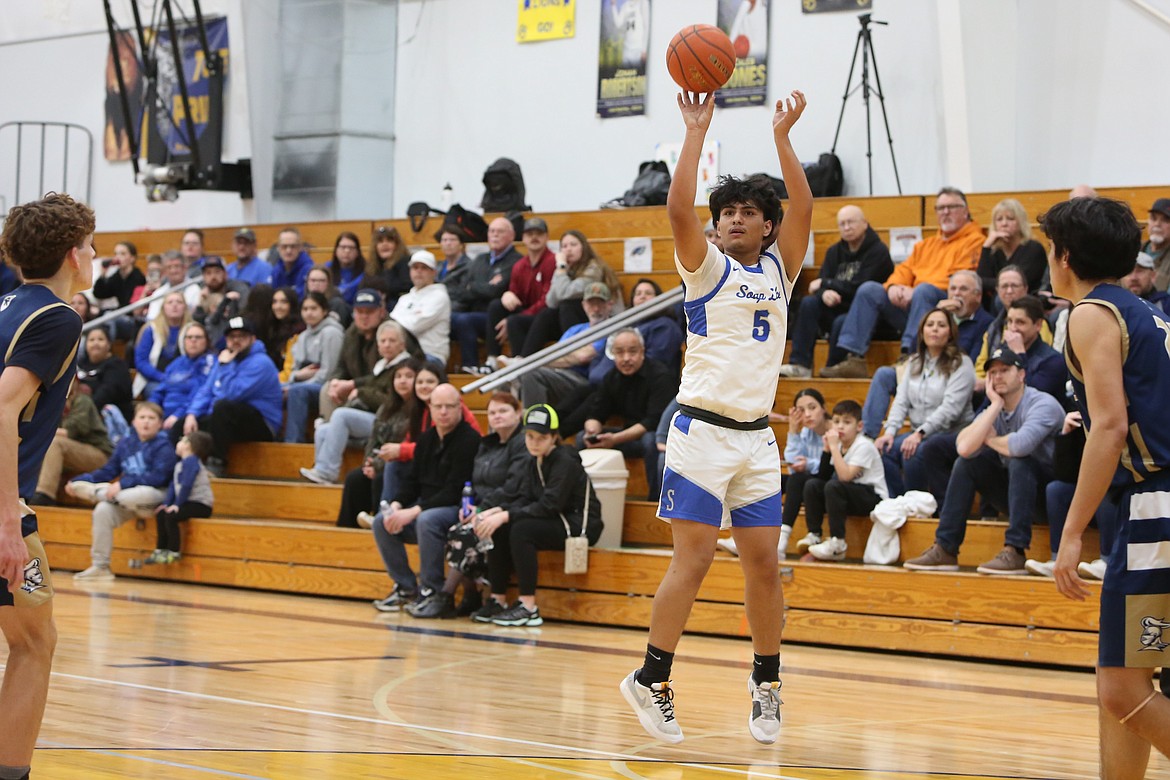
{"points": [[864, 44]]}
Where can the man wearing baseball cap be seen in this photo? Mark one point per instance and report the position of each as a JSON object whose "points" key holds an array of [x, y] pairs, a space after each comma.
{"points": [[1158, 247], [425, 310], [359, 352], [1140, 282], [241, 398], [1006, 455], [248, 267], [222, 298]]}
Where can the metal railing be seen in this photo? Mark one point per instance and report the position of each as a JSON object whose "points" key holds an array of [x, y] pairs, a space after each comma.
{"points": [[113, 314], [588, 336]]}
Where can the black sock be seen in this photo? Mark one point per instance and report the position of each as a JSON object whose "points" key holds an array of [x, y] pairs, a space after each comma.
{"points": [[766, 668], [656, 667]]}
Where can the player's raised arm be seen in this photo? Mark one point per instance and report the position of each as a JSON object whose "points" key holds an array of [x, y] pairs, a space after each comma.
{"points": [[689, 243], [793, 238]]}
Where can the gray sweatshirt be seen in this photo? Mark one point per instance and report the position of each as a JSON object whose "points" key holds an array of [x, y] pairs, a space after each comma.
{"points": [[932, 401]]}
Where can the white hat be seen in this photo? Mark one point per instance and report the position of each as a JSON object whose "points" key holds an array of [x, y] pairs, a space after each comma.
{"points": [[423, 257]]}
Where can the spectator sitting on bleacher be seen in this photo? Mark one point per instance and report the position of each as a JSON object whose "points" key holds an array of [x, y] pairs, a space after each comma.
{"points": [[427, 502], [154, 280], [311, 359], [355, 421], [130, 484], [636, 390], [119, 281], [934, 394], [566, 380], [455, 259], [347, 267], [318, 280], [502, 453], [485, 281], [294, 261], [105, 374], [81, 444], [425, 309], [1140, 282], [248, 266], [395, 421], [1158, 247], [284, 326], [188, 495], [191, 248], [853, 486], [860, 256], [1009, 287], [359, 353], [183, 378], [914, 288], [1005, 454], [1022, 330], [240, 401], [511, 316], [577, 266], [174, 274], [1009, 242], [158, 344], [389, 262], [662, 335], [84, 307], [222, 298], [964, 303]]}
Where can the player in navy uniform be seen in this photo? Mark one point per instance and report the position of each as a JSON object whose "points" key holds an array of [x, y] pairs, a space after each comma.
{"points": [[722, 462], [1118, 352], [51, 242]]}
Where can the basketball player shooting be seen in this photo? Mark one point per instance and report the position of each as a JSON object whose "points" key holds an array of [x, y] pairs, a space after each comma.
{"points": [[722, 462]]}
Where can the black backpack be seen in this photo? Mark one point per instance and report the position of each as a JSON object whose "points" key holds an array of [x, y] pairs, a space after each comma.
{"points": [[650, 187], [470, 226], [825, 177], [503, 187]]}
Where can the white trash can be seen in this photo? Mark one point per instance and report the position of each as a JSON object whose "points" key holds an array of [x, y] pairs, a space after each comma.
{"points": [[607, 471]]}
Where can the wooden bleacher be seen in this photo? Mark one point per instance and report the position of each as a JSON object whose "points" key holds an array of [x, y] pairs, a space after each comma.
{"points": [[275, 532]]}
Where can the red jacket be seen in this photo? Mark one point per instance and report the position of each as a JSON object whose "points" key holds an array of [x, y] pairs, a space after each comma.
{"points": [[530, 283]]}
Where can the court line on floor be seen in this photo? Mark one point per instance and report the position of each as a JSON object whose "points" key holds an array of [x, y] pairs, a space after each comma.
{"points": [[149, 760], [574, 647]]}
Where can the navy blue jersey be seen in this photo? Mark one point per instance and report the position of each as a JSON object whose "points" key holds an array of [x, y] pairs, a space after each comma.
{"points": [[41, 333], [1145, 353]]}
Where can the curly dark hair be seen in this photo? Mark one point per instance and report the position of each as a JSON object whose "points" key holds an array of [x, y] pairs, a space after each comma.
{"points": [[756, 190], [1101, 236], [38, 235]]}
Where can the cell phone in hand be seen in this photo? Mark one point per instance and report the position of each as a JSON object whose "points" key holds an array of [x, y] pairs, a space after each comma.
{"points": [[592, 438]]}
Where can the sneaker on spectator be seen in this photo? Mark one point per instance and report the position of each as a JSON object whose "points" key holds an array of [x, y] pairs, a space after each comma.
{"points": [[503, 361], [808, 541], [795, 371], [1008, 561], [832, 549], [156, 557], [316, 476], [365, 520], [436, 605], [764, 723], [1040, 568], [852, 367], [491, 364], [490, 609], [317, 423], [397, 599], [90, 492], [728, 544], [95, 574], [470, 603], [654, 706], [473, 370], [934, 559], [174, 557], [216, 467], [1094, 570], [519, 615]]}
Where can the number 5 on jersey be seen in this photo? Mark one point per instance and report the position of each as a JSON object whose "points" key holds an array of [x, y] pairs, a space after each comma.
{"points": [[760, 326]]}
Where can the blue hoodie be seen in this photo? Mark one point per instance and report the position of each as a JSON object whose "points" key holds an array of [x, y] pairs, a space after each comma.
{"points": [[282, 277], [182, 380], [350, 282], [138, 462], [251, 379]]}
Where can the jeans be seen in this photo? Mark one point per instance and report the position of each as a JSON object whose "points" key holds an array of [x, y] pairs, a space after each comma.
{"points": [[1060, 495], [332, 438], [467, 328], [551, 386], [429, 531], [644, 447], [938, 454], [904, 474], [873, 302], [882, 388], [298, 406], [1012, 487], [392, 474], [813, 318]]}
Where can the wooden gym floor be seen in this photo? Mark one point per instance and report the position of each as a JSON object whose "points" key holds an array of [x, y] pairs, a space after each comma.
{"points": [[158, 680]]}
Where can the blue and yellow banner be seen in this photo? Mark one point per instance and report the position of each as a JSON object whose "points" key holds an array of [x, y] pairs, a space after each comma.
{"points": [[545, 20], [621, 59]]}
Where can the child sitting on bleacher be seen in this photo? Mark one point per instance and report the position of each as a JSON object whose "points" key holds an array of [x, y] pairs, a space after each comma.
{"points": [[189, 495]]}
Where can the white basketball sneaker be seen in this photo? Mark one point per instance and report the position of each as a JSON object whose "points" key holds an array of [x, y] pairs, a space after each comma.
{"points": [[654, 706]]}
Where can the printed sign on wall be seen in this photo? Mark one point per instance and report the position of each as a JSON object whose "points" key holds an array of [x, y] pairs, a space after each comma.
{"points": [[545, 20], [746, 24], [621, 59]]}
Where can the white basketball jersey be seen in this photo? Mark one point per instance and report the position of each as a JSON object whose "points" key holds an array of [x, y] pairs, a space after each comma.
{"points": [[737, 319]]}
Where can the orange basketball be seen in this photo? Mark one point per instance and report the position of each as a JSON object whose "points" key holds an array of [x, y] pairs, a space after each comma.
{"points": [[700, 58]]}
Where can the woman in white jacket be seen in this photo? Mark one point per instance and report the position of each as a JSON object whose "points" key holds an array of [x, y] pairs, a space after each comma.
{"points": [[312, 356], [934, 394]]}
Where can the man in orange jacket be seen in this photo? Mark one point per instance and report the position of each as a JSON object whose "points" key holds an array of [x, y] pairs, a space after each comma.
{"points": [[915, 287]]}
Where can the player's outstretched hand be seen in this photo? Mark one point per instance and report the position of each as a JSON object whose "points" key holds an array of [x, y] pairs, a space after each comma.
{"points": [[13, 554], [1068, 582], [696, 113], [787, 113]]}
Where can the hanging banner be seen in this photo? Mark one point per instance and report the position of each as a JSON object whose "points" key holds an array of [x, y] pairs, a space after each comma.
{"points": [[545, 20], [621, 61], [828, 6], [746, 24], [116, 138], [165, 128]]}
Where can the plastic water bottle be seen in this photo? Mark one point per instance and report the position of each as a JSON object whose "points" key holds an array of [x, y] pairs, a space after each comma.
{"points": [[467, 504]]}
